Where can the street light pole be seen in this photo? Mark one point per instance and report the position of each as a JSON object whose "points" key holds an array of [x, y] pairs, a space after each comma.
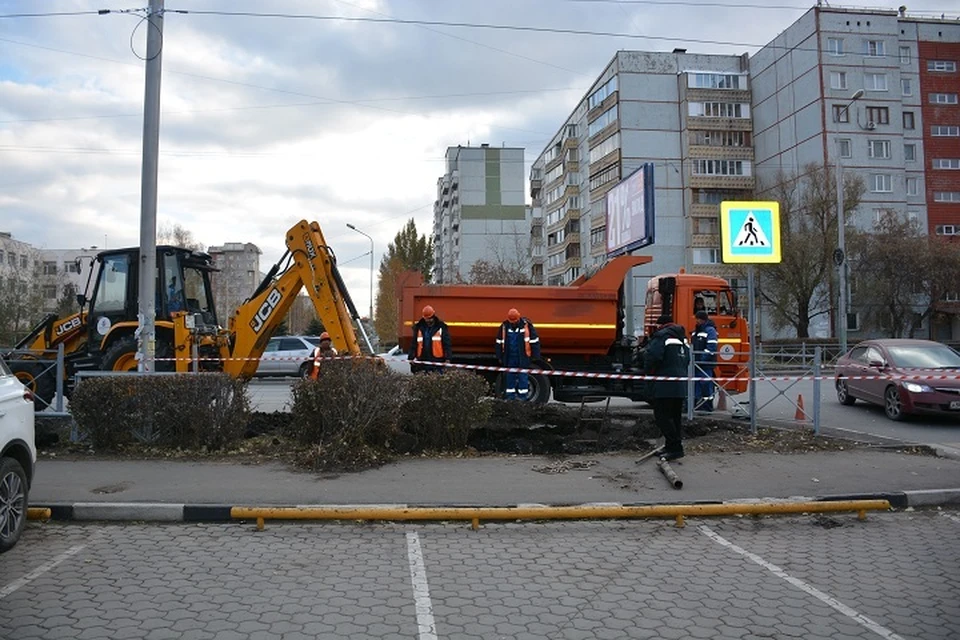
{"points": [[841, 255], [350, 226]]}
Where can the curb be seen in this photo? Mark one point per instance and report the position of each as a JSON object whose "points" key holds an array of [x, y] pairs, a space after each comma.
{"points": [[167, 512]]}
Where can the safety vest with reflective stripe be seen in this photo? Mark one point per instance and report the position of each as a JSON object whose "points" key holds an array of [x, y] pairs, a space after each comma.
{"points": [[526, 337], [436, 342]]}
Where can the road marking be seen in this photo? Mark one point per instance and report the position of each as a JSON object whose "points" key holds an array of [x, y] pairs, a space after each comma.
{"points": [[39, 571], [950, 516], [877, 628], [421, 590]]}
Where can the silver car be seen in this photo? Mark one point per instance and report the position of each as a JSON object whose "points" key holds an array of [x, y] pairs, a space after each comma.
{"points": [[287, 356]]}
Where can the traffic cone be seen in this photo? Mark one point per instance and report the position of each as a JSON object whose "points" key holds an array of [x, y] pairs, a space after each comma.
{"points": [[800, 414]]}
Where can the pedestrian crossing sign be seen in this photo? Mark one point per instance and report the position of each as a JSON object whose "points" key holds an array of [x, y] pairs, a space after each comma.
{"points": [[750, 232]]}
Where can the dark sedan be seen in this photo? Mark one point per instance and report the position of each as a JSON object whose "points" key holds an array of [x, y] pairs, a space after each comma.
{"points": [[904, 376]]}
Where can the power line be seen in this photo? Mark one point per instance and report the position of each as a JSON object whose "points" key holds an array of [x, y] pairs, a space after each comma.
{"points": [[53, 14], [468, 25]]}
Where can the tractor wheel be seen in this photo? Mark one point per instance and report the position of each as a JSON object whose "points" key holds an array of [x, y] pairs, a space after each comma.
{"points": [[39, 376], [121, 356]]}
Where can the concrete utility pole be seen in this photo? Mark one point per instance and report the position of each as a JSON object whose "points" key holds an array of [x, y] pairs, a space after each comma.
{"points": [[841, 254], [147, 333]]}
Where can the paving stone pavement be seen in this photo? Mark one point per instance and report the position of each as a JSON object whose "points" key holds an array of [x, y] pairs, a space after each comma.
{"points": [[894, 575]]}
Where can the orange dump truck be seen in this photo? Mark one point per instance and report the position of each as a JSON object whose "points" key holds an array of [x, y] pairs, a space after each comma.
{"points": [[581, 326]]}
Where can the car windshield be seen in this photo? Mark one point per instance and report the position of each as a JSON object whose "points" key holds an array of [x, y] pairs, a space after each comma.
{"points": [[925, 357]]}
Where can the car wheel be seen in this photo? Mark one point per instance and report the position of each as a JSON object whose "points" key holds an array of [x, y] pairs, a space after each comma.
{"points": [[13, 502], [305, 369], [892, 405], [843, 393]]}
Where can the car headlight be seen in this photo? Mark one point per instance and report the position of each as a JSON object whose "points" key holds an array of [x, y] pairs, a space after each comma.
{"points": [[913, 387]]}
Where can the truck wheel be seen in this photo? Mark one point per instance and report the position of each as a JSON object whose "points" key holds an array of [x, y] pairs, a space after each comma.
{"points": [[121, 356], [539, 389], [41, 382]]}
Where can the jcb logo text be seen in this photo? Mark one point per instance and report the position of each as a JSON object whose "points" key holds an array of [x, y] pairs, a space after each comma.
{"points": [[266, 310]]}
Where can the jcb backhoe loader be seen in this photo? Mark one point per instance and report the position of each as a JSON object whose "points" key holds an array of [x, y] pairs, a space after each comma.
{"points": [[102, 335]]}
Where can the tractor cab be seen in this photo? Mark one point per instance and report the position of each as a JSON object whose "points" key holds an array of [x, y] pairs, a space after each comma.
{"points": [[182, 286]]}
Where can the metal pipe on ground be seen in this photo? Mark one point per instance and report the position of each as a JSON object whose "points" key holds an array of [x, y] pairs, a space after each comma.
{"points": [[579, 512], [670, 474]]}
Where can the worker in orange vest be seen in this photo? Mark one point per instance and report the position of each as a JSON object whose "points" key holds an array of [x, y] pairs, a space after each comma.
{"points": [[324, 350], [431, 342], [517, 344]]}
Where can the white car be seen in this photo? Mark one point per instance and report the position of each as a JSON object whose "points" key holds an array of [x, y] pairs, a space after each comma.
{"points": [[18, 456], [396, 359], [287, 356]]}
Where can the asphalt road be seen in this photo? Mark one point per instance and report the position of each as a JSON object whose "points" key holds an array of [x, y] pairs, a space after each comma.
{"points": [[892, 576]]}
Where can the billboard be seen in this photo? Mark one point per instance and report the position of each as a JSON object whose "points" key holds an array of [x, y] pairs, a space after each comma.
{"points": [[630, 212]]}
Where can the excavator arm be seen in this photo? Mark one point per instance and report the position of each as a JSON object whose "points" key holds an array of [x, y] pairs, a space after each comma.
{"points": [[311, 264]]}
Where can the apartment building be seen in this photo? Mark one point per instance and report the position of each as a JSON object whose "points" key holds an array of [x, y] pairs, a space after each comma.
{"points": [[689, 115], [239, 275], [479, 212], [877, 92]]}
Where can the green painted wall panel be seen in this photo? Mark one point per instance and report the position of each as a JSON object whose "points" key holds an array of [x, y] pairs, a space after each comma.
{"points": [[493, 212]]}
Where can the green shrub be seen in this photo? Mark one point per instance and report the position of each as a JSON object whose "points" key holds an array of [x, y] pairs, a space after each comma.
{"points": [[189, 411], [441, 410], [347, 415]]}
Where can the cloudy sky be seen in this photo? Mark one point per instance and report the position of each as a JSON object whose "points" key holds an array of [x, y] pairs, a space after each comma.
{"points": [[269, 120]]}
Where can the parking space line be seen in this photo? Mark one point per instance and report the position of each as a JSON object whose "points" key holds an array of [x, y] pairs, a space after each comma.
{"points": [[39, 571], [877, 628], [421, 590]]}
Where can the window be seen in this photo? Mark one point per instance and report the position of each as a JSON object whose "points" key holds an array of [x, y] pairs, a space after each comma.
{"points": [[845, 147], [941, 131], [610, 174], [947, 66], [841, 113], [553, 174], [50, 292], [908, 122], [878, 148], [875, 81], [874, 48], [905, 56], [720, 109], [838, 79], [23, 262], [719, 138], [598, 236], [706, 256], [906, 86], [111, 291], [1, 257], [607, 117], [880, 183], [913, 186], [946, 163], [946, 196], [718, 81], [12, 259], [943, 98], [71, 267], [601, 94], [706, 226], [49, 268], [910, 152], [948, 229], [835, 46], [721, 168], [609, 145], [715, 196], [878, 115]]}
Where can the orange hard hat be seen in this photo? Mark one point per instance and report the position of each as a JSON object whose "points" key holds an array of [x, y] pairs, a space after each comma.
{"points": [[513, 315], [428, 311], [324, 336]]}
